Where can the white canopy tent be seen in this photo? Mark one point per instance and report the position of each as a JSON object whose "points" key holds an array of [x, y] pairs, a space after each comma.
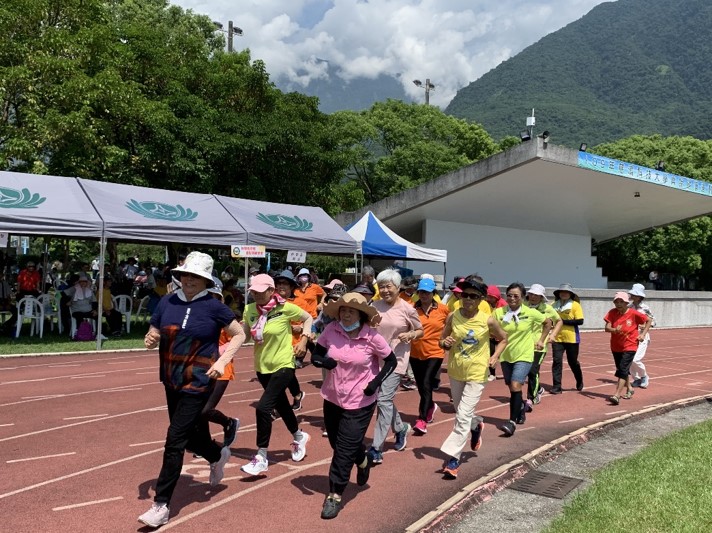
{"points": [[46, 205], [80, 208], [289, 227]]}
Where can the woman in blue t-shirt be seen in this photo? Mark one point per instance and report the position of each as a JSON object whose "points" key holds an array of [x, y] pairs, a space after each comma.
{"points": [[186, 328]]}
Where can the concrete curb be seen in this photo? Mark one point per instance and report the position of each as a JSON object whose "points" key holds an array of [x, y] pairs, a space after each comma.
{"points": [[482, 489]]}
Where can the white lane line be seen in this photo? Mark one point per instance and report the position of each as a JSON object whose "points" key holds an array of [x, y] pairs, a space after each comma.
{"points": [[616, 412], [148, 443], [519, 430], [79, 473], [572, 420], [20, 382], [6, 425], [44, 396], [85, 416], [145, 373], [95, 502], [88, 377], [63, 365], [122, 390], [40, 457], [121, 363]]}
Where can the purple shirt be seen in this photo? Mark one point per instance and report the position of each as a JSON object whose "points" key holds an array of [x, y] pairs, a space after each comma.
{"points": [[357, 364]]}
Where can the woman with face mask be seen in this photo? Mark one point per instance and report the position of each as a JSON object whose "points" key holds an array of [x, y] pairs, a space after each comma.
{"points": [[351, 352]]}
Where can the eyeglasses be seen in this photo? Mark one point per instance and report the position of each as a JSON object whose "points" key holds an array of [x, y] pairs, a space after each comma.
{"points": [[471, 296]]}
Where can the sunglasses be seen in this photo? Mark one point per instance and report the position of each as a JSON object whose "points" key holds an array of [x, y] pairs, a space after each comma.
{"points": [[471, 296]]}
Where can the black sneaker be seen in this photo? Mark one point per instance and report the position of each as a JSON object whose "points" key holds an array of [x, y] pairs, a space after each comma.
{"points": [[297, 402], [230, 432], [522, 417], [363, 473], [555, 390], [579, 385], [275, 415], [331, 508], [508, 428]]}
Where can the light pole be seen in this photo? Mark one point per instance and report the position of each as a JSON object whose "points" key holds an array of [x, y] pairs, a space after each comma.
{"points": [[231, 31], [427, 86]]}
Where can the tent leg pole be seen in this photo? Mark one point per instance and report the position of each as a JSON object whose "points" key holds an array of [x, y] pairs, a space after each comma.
{"points": [[99, 317]]}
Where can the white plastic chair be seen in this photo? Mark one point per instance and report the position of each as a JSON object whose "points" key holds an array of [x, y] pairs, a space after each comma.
{"points": [[52, 312], [124, 304], [143, 308], [30, 308]]}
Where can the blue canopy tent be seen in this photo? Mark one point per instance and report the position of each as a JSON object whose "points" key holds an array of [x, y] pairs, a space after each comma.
{"points": [[375, 239]]}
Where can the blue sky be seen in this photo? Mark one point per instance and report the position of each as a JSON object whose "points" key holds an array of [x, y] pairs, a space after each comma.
{"points": [[452, 42]]}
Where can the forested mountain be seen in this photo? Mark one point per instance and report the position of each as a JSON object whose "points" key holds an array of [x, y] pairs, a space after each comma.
{"points": [[627, 67]]}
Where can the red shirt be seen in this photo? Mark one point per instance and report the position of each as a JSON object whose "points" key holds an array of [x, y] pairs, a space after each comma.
{"points": [[627, 340], [28, 281]]}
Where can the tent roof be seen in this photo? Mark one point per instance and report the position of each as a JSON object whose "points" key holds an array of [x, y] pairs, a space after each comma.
{"points": [[143, 214], [39, 205], [289, 227], [548, 188], [375, 239]]}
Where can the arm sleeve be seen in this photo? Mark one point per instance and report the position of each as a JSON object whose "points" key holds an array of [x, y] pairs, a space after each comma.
{"points": [[389, 365], [320, 358], [577, 322]]}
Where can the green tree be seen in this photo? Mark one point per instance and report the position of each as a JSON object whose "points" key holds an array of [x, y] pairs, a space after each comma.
{"points": [[395, 146], [682, 249]]}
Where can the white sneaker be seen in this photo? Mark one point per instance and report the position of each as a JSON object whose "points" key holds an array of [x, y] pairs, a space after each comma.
{"points": [[255, 467], [103, 338], [156, 516], [217, 469], [299, 448]]}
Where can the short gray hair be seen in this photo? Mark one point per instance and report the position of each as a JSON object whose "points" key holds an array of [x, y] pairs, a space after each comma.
{"points": [[368, 271], [389, 276]]}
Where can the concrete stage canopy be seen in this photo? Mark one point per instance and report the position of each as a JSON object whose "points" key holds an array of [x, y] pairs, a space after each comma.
{"points": [[540, 189]]}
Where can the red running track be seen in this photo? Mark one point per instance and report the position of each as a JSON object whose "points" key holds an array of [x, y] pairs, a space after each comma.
{"points": [[81, 441]]}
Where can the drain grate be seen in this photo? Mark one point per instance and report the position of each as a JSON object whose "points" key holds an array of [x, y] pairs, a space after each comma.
{"points": [[545, 484]]}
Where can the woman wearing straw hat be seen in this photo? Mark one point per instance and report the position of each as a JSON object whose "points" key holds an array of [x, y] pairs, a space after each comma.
{"points": [[637, 368], [188, 324], [623, 322], [269, 322], [569, 309], [351, 351]]}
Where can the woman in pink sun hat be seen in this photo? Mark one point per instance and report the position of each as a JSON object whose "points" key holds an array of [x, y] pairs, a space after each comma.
{"points": [[622, 323]]}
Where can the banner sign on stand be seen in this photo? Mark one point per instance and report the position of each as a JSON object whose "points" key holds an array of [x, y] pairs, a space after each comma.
{"points": [[3, 240], [296, 256], [247, 251]]}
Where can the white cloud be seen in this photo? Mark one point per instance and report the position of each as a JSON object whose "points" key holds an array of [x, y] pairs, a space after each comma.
{"points": [[452, 42]]}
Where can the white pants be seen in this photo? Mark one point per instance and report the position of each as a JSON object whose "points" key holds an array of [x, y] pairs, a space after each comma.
{"points": [[637, 367], [465, 397]]}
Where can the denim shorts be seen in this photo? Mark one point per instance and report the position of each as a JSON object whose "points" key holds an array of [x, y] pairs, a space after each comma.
{"points": [[515, 371]]}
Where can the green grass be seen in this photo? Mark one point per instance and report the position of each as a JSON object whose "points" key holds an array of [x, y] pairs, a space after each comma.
{"points": [[53, 342], [665, 488]]}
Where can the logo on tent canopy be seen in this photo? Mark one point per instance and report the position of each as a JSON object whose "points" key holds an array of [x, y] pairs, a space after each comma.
{"points": [[285, 222], [23, 199], [161, 211]]}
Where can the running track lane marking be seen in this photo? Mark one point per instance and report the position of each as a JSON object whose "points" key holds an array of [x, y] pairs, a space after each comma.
{"points": [[40, 457], [27, 399], [96, 374], [85, 416], [6, 425], [88, 377], [572, 420], [95, 502]]}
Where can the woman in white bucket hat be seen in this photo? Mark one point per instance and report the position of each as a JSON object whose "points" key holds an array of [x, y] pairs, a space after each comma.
{"points": [[637, 368], [188, 324]]}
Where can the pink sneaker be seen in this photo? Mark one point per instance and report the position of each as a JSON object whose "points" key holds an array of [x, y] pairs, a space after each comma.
{"points": [[420, 427], [431, 413]]}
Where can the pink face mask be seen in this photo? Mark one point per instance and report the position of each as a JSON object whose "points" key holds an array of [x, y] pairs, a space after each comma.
{"points": [[303, 279]]}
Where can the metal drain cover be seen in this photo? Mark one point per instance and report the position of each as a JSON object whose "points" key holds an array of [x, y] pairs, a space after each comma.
{"points": [[545, 484]]}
